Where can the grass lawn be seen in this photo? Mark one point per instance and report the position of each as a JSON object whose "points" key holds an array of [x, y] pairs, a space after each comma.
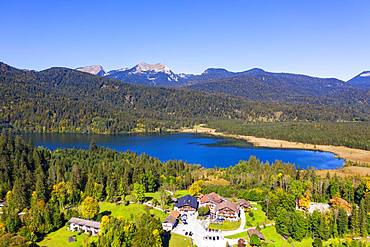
{"points": [[131, 211], [259, 217], [275, 239], [60, 237], [179, 241], [180, 193], [239, 235], [337, 241], [226, 225], [153, 195]]}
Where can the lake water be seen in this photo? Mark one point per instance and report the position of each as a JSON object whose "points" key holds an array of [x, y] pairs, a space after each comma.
{"points": [[207, 151]]}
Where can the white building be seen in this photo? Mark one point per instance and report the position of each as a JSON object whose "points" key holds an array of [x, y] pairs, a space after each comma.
{"points": [[86, 226], [316, 206]]}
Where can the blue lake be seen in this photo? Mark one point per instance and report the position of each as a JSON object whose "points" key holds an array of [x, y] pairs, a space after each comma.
{"points": [[207, 151]]}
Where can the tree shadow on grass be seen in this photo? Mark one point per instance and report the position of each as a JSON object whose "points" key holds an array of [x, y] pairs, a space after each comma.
{"points": [[101, 214]]}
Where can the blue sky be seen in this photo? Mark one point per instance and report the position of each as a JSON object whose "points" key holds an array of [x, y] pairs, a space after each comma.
{"points": [[321, 38]]}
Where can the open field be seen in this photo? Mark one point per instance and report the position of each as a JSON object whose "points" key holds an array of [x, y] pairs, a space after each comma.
{"points": [[273, 238], [60, 237], [180, 193], [346, 171], [352, 154], [130, 211]]}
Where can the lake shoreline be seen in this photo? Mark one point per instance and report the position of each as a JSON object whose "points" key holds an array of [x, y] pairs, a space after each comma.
{"points": [[346, 153]]}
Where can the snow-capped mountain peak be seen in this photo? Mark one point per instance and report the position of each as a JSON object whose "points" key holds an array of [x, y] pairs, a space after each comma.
{"points": [[144, 73], [365, 74], [156, 68], [361, 81], [92, 69]]}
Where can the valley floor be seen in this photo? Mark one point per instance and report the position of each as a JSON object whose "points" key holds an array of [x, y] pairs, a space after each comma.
{"points": [[351, 154]]}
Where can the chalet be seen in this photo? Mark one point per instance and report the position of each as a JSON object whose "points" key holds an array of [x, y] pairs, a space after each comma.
{"points": [[186, 204], [228, 211], [244, 204], [252, 232], [86, 226], [210, 200], [171, 221]]}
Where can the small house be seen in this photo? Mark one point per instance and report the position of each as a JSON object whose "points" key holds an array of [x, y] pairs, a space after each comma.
{"points": [[186, 204], [228, 211], [86, 226], [252, 232], [171, 221]]}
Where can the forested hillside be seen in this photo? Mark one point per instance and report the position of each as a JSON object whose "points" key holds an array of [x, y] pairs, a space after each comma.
{"points": [[65, 100], [260, 85], [354, 134]]}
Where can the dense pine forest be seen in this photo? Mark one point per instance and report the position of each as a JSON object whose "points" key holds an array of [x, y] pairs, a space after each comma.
{"points": [[350, 134], [43, 189]]}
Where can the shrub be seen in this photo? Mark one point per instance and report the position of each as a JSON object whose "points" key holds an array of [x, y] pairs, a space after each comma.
{"points": [[203, 211]]}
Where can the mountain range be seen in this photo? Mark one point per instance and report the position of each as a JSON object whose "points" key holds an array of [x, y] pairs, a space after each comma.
{"points": [[253, 84], [361, 81]]}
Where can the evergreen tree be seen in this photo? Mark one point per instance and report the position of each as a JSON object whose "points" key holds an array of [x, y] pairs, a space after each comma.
{"points": [[41, 186], [342, 222], [355, 220], [10, 214], [363, 218]]}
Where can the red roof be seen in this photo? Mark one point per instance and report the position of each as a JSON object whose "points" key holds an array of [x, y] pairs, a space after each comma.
{"points": [[255, 232], [244, 203], [227, 204], [211, 197], [175, 214]]}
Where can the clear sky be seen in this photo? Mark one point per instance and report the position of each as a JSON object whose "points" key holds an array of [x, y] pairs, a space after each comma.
{"points": [[328, 38]]}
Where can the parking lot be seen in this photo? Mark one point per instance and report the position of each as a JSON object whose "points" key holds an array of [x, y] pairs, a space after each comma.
{"points": [[196, 229]]}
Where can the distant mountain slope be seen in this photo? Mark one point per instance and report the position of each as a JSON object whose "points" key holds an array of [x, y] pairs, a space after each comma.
{"points": [[254, 84], [361, 81], [260, 85], [93, 69], [66, 100], [147, 74]]}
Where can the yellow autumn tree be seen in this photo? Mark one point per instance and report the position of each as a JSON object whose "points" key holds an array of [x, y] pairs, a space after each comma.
{"points": [[89, 208], [196, 187], [305, 201]]}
